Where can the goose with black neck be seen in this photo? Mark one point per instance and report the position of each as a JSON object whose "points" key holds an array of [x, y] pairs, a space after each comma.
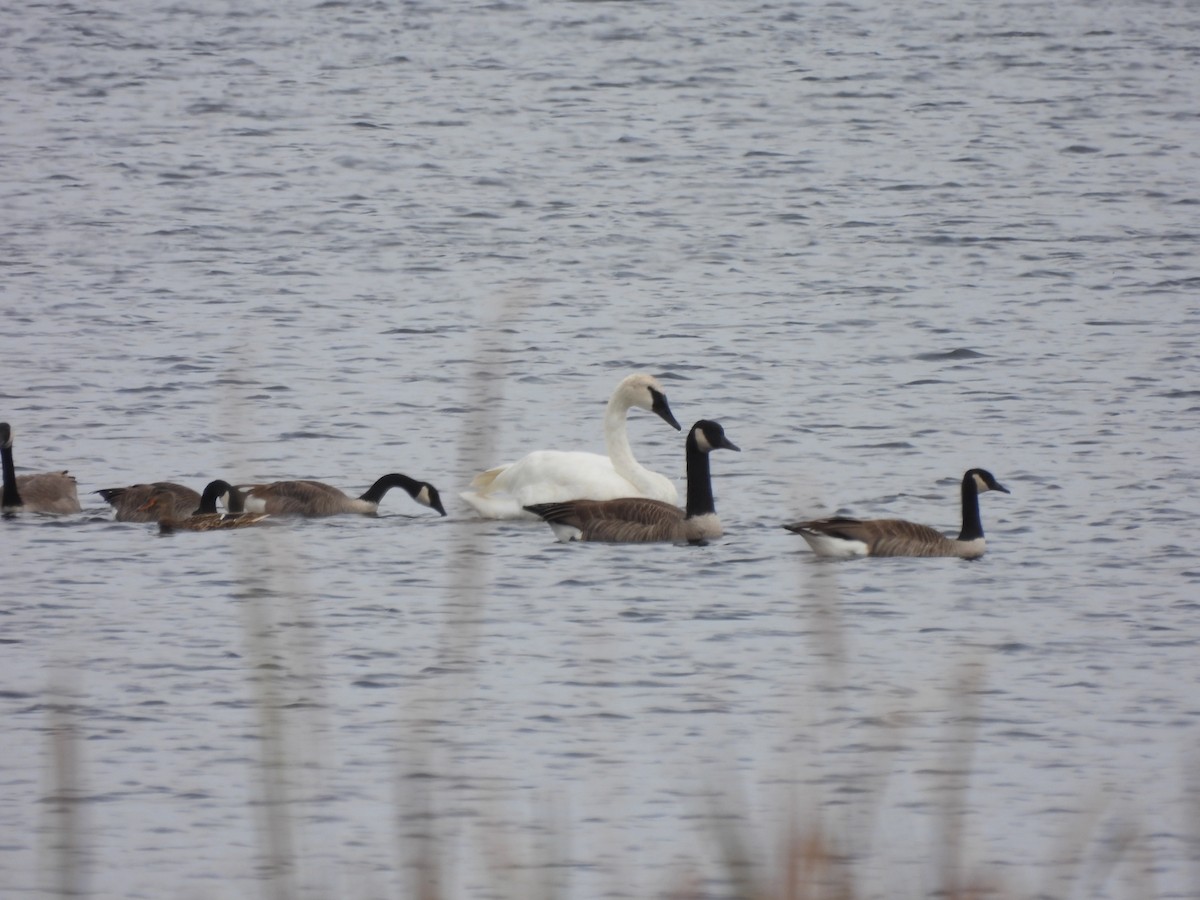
{"points": [[844, 537], [642, 520]]}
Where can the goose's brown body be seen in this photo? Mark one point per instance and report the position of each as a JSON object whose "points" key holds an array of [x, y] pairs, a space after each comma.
{"points": [[629, 520], [886, 537], [44, 492], [49, 492], [173, 500]]}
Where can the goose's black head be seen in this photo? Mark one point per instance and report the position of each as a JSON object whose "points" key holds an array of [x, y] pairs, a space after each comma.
{"points": [[214, 491], [986, 481], [6, 435], [707, 435], [427, 495]]}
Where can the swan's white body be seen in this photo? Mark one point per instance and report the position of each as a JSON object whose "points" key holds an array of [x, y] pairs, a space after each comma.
{"points": [[555, 476]]}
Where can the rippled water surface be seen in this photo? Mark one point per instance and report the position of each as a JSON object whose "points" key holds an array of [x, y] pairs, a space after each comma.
{"points": [[881, 243]]}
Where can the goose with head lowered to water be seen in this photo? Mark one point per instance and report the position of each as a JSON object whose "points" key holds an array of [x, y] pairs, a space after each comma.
{"points": [[546, 476], [46, 492], [642, 520], [316, 499], [845, 537], [205, 517]]}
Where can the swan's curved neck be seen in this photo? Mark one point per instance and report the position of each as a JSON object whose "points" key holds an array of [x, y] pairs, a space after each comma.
{"points": [[616, 441], [699, 481], [972, 527], [12, 497]]}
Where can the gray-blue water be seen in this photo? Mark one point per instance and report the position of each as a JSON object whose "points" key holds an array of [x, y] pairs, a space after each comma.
{"points": [[881, 243]]}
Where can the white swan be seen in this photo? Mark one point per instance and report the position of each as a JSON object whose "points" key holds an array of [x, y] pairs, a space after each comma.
{"points": [[554, 476]]}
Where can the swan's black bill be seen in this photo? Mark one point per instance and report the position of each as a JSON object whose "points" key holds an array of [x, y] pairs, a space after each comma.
{"points": [[663, 410]]}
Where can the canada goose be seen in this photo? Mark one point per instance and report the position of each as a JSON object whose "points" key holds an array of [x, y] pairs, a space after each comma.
{"points": [[546, 476], [45, 492], [205, 517], [131, 502], [313, 498], [640, 519], [844, 537]]}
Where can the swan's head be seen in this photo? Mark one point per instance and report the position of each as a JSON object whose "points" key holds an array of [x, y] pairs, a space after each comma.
{"points": [[707, 436], [645, 392]]}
